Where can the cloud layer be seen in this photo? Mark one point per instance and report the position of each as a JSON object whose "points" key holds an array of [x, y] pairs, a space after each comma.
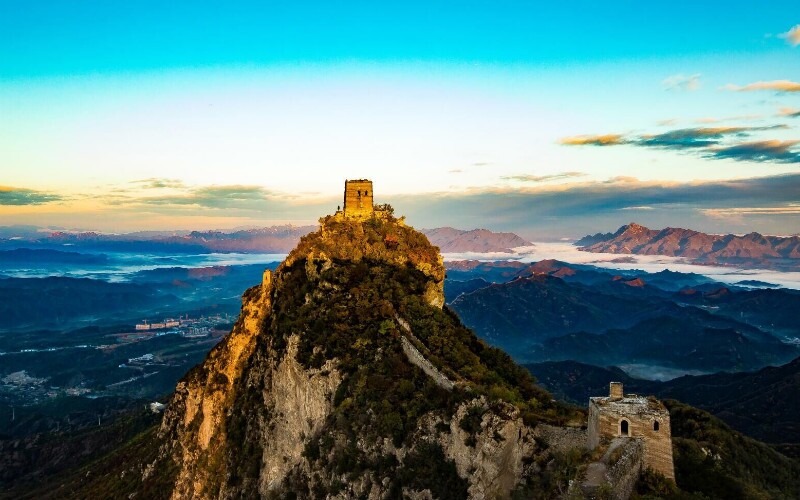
{"points": [[766, 204]]}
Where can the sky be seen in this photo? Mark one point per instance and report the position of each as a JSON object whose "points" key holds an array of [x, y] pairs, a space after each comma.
{"points": [[547, 119]]}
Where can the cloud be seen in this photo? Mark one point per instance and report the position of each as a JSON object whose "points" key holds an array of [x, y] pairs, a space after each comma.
{"points": [[682, 82], [789, 112], [696, 137], [557, 210], [729, 119], [159, 183], [544, 178], [709, 143], [776, 85], [216, 197], [773, 151], [20, 196], [790, 209], [593, 140], [792, 36]]}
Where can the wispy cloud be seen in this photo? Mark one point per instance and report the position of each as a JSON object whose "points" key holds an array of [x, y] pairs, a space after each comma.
{"points": [[21, 196], [544, 178], [593, 140], [738, 118], [696, 137], [159, 183], [682, 82], [792, 36], [774, 85], [760, 151], [789, 112], [710, 142], [791, 209]]}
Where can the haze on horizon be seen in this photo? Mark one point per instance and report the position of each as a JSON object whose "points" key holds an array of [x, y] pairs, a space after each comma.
{"points": [[544, 120]]}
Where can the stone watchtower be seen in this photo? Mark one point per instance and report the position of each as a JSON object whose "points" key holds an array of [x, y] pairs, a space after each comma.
{"points": [[620, 415], [358, 199]]}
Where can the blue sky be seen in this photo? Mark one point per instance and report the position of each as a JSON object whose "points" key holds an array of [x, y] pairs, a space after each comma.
{"points": [[135, 115]]}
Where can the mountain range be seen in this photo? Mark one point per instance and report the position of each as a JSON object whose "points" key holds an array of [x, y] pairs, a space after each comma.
{"points": [[274, 239], [653, 322], [450, 240], [749, 250], [346, 376]]}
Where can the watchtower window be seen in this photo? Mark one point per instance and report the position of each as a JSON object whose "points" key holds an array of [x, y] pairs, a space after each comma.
{"points": [[655, 425], [623, 428], [366, 193]]}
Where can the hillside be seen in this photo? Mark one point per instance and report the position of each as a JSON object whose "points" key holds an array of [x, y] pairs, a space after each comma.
{"points": [[344, 375], [762, 404], [554, 312], [750, 250]]}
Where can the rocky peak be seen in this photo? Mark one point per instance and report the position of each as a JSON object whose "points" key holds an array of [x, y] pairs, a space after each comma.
{"points": [[344, 377]]}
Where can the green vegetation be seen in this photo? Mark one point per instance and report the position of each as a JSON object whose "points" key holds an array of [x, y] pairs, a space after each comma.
{"points": [[100, 463], [426, 467], [714, 461]]}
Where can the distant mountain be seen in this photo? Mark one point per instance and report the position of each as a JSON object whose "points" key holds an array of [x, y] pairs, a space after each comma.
{"points": [[44, 257], [450, 240], [751, 250], [274, 239], [56, 301], [495, 272], [762, 404], [609, 321]]}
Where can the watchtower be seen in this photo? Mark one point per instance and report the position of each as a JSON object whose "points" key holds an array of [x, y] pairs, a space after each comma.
{"points": [[621, 415], [358, 198]]}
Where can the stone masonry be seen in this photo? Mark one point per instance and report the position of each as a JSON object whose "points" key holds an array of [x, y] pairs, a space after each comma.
{"points": [[358, 198], [621, 415]]}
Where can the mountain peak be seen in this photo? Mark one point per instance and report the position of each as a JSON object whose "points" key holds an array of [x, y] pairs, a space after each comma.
{"points": [[345, 375]]}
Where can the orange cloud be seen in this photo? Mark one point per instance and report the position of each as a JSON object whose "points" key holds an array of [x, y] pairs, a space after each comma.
{"points": [[792, 36], [776, 85], [593, 140]]}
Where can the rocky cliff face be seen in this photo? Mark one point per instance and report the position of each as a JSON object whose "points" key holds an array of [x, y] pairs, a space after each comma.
{"points": [[345, 378]]}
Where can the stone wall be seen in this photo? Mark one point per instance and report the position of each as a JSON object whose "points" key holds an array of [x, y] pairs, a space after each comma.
{"points": [[624, 472], [416, 358], [561, 439], [615, 474], [358, 198]]}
